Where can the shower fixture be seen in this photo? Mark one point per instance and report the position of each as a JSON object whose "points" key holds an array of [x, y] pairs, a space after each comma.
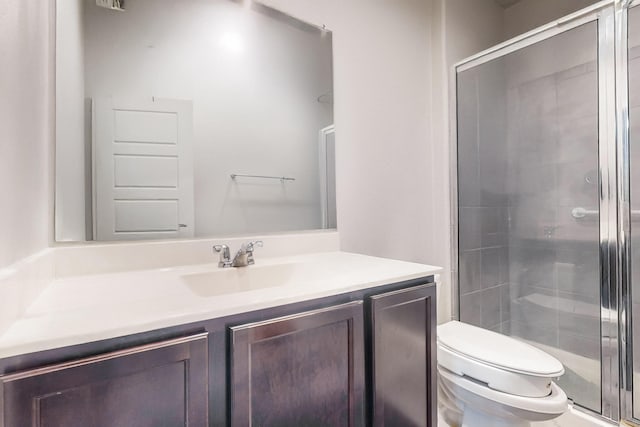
{"points": [[111, 4], [326, 98]]}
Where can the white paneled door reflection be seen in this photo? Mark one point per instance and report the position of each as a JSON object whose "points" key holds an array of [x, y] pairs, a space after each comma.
{"points": [[143, 169]]}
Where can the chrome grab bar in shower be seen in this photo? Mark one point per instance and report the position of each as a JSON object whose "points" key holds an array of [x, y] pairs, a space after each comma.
{"points": [[582, 213], [281, 178]]}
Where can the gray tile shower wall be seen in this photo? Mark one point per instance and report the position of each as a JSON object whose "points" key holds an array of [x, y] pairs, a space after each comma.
{"points": [[634, 133], [554, 256], [528, 156], [484, 216]]}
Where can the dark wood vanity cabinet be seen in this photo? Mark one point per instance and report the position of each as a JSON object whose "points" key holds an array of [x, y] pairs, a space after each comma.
{"points": [[301, 370], [361, 358], [162, 384], [306, 369], [402, 337]]}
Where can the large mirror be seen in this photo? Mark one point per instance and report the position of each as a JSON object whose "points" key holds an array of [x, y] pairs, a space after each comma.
{"points": [[190, 118]]}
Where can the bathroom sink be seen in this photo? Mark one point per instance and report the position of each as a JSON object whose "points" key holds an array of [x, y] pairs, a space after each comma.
{"points": [[232, 280]]}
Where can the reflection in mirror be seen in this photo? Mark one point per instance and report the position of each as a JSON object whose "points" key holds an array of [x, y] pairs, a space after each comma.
{"points": [[190, 119]]}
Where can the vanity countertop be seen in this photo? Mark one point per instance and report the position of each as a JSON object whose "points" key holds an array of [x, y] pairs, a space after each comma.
{"points": [[88, 308]]}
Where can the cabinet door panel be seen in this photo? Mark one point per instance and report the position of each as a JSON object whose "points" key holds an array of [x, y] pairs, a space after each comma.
{"points": [[404, 357], [157, 385], [302, 370]]}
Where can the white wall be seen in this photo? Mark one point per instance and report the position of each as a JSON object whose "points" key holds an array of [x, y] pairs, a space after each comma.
{"points": [[25, 120], [254, 81], [70, 132], [529, 14], [391, 172]]}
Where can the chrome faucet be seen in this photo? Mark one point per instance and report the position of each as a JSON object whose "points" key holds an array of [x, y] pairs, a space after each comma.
{"points": [[225, 256], [244, 256]]}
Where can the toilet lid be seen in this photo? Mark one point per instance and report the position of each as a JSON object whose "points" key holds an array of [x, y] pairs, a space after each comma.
{"points": [[498, 350]]}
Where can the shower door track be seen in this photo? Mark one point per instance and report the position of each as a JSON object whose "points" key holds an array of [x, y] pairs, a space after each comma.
{"points": [[614, 184]]}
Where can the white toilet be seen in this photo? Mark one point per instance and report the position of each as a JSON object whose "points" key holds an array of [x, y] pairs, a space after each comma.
{"points": [[490, 380]]}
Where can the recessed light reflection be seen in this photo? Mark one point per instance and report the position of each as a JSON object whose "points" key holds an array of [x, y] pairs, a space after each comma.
{"points": [[232, 42]]}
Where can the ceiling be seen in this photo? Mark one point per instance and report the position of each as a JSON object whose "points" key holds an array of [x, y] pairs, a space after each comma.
{"points": [[506, 3]]}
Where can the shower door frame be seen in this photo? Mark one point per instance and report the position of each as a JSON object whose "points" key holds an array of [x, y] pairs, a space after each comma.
{"points": [[613, 149], [622, 8]]}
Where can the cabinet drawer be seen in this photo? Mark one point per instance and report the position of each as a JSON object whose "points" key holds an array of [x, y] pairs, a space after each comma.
{"points": [[159, 384], [300, 370]]}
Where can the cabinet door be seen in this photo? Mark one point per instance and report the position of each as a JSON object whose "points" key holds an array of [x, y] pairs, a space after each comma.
{"points": [[403, 357], [301, 370], [161, 384]]}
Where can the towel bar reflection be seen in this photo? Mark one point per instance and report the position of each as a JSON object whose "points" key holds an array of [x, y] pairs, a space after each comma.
{"points": [[281, 178], [582, 213]]}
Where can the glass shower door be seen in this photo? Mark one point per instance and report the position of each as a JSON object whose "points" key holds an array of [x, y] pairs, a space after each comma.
{"points": [[528, 200]]}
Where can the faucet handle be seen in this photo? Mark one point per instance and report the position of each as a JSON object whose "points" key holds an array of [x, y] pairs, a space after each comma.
{"points": [[250, 245], [248, 248], [258, 243], [221, 248], [225, 255]]}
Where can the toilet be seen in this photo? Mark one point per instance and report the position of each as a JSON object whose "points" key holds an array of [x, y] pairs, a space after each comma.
{"points": [[488, 379]]}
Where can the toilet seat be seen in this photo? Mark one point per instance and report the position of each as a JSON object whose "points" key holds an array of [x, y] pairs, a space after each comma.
{"points": [[553, 404], [504, 364]]}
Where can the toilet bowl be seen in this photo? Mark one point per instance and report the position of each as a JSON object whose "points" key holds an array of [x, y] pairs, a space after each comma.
{"points": [[488, 379]]}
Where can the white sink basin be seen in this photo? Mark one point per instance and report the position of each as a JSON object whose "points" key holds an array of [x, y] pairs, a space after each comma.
{"points": [[242, 279]]}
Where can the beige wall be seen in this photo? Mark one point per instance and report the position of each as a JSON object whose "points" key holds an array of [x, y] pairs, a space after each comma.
{"points": [[382, 68], [70, 129], [527, 15], [26, 82], [471, 26]]}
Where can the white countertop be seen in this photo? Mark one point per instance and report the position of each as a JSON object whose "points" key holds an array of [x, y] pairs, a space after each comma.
{"points": [[88, 308]]}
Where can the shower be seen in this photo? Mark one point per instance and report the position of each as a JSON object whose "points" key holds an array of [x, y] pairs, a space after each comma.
{"points": [[111, 4], [546, 193]]}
